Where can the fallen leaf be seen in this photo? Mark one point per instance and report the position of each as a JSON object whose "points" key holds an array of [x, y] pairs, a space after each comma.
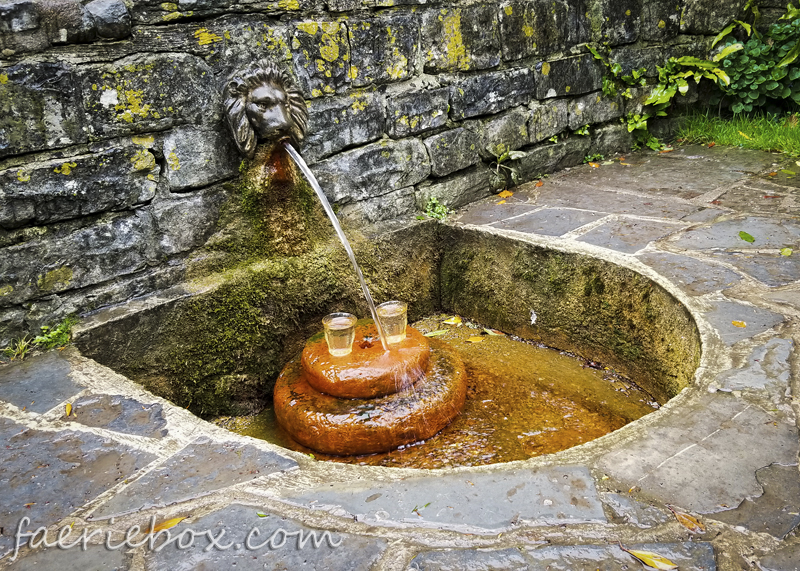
{"points": [[436, 333], [455, 320], [715, 202], [786, 251], [607, 163], [741, 324], [170, 523], [505, 194], [652, 559], [668, 150], [788, 173], [594, 165], [711, 145], [261, 514], [539, 183], [774, 173], [69, 408], [689, 522], [772, 196], [797, 163], [476, 339], [745, 136], [746, 237], [493, 332], [625, 164], [29, 505], [502, 202]]}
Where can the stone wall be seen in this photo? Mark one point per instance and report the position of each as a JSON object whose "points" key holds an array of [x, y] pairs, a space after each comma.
{"points": [[114, 161]]}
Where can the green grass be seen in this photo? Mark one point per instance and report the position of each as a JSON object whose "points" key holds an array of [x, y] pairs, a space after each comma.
{"points": [[776, 133]]}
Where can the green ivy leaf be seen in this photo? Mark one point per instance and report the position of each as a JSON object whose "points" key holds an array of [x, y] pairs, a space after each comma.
{"points": [[786, 251], [728, 50], [791, 56], [746, 237], [727, 30]]}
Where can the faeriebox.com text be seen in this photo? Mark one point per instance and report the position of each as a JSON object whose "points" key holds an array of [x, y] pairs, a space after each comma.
{"points": [[255, 539]]}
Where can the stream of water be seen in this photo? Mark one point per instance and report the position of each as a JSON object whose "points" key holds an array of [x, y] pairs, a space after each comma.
{"points": [[340, 233]]}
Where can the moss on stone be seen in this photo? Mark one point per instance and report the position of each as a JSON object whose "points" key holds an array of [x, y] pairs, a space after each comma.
{"points": [[55, 279]]}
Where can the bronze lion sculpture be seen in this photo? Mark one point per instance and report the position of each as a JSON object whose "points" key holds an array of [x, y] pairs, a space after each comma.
{"points": [[262, 103]]}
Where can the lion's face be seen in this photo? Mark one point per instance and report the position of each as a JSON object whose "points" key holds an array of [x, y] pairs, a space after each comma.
{"points": [[263, 104]]}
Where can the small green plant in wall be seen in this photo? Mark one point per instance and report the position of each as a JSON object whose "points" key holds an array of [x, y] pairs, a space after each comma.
{"points": [[50, 338], [504, 172], [434, 209]]}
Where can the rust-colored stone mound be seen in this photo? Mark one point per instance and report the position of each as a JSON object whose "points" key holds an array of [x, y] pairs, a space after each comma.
{"points": [[368, 371], [362, 426]]}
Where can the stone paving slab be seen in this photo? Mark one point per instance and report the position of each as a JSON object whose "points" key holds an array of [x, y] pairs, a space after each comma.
{"points": [[776, 510], [472, 559], [550, 221], [787, 297], [74, 559], [705, 458], [768, 367], [38, 383], [704, 215], [574, 194], [768, 233], [482, 213], [693, 276], [725, 159], [627, 235], [771, 269], [45, 476], [267, 548], [689, 556], [784, 559], [120, 414], [630, 510], [467, 500], [723, 313], [763, 199], [202, 467]]}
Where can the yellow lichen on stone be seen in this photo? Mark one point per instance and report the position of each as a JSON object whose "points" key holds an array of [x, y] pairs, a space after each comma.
{"points": [[455, 51], [662, 24], [359, 103], [143, 140], [131, 105], [528, 31], [508, 10], [567, 88], [3, 79], [545, 68], [227, 35], [289, 4], [65, 168], [169, 6], [329, 48], [627, 12], [143, 160], [22, 176], [309, 28], [352, 73], [173, 16], [316, 93], [206, 37], [5, 290], [59, 277], [173, 161]]}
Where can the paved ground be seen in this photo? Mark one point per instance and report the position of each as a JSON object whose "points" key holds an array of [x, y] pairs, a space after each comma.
{"points": [[725, 450]]}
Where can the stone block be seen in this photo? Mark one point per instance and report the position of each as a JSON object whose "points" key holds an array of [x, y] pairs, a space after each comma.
{"points": [[460, 39], [149, 93], [630, 58], [120, 414], [701, 17], [451, 151], [383, 49], [550, 221], [689, 274], [459, 189], [392, 205], [40, 108], [184, 223], [491, 92], [615, 21], [18, 16], [373, 170], [627, 235], [337, 123], [202, 466], [159, 12], [552, 157], [690, 556], [198, 157], [68, 23], [612, 139], [113, 177], [506, 132], [39, 383], [661, 20], [569, 76], [594, 108], [117, 245], [495, 560], [321, 57], [541, 27], [547, 118], [111, 18], [416, 112]]}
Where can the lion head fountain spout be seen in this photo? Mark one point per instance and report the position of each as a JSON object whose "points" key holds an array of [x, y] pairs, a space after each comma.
{"points": [[263, 104]]}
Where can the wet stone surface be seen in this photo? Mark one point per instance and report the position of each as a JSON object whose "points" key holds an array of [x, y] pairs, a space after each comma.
{"points": [[688, 556], [756, 320], [76, 559], [771, 269], [265, 542], [45, 476], [768, 233], [38, 383], [468, 501], [456, 560], [627, 235], [550, 221], [632, 511], [768, 367], [484, 215], [114, 412], [202, 467], [694, 276]]}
